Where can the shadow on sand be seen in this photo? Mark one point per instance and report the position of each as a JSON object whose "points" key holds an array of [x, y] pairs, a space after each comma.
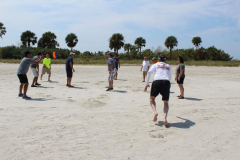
{"points": [[184, 125], [77, 87], [119, 91], [53, 82], [120, 79], [44, 87], [38, 99], [192, 99]]}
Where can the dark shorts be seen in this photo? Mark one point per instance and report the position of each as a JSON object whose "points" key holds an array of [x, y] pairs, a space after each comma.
{"points": [[181, 80], [162, 87], [23, 78], [69, 74]]}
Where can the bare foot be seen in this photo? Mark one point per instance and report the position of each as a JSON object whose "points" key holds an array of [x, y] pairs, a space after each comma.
{"points": [[155, 118], [49, 80], [166, 124]]}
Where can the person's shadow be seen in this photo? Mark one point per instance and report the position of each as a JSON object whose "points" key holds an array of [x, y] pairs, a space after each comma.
{"points": [[192, 99], [184, 125]]}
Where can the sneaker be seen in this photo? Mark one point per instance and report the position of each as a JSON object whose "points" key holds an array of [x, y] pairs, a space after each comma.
{"points": [[26, 97], [33, 86], [109, 89], [37, 84], [20, 95]]}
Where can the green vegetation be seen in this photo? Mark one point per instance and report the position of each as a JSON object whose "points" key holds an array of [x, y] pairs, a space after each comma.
{"points": [[71, 40], [116, 42], [27, 38], [48, 40], [196, 41], [2, 29], [170, 43], [140, 42]]}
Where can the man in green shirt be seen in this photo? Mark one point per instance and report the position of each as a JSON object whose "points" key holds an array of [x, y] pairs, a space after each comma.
{"points": [[46, 67]]}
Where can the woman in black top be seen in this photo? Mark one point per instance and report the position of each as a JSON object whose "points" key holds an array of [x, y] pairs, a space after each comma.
{"points": [[180, 75]]}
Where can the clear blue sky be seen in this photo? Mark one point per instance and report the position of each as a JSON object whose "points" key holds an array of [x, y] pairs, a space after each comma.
{"points": [[217, 22]]}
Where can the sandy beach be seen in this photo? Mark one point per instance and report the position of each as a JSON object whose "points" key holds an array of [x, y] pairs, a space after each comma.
{"points": [[86, 122]]}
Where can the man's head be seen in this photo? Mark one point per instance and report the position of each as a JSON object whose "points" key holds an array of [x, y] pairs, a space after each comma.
{"points": [[115, 55], [39, 54], [162, 58], [27, 54], [109, 54], [145, 58], [72, 54], [47, 56], [154, 60], [180, 59]]}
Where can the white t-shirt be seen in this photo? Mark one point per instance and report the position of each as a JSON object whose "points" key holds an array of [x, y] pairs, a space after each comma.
{"points": [[163, 72], [145, 65]]}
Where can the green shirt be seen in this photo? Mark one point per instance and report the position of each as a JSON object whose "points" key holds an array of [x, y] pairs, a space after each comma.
{"points": [[47, 62]]}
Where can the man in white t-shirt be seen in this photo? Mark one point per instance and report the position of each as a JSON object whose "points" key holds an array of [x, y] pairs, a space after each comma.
{"points": [[145, 67], [161, 84]]}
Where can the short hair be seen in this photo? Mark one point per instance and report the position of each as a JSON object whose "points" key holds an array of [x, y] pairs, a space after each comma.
{"points": [[47, 54], [162, 58], [26, 53], [110, 53], [181, 59], [40, 53]]}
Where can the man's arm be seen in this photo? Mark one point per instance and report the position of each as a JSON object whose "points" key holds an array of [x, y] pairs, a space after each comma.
{"points": [[141, 68], [71, 65], [111, 67], [170, 73], [152, 69], [38, 67]]}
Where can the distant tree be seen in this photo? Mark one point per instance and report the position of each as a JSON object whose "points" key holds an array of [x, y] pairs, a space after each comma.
{"points": [[71, 40], [2, 30], [48, 40], [116, 42], [27, 38], [127, 48], [170, 43], [140, 42], [196, 41]]}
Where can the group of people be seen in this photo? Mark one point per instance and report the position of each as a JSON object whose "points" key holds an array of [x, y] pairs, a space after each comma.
{"points": [[161, 83]]}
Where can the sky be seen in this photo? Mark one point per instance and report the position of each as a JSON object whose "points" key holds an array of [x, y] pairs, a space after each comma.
{"points": [[217, 22]]}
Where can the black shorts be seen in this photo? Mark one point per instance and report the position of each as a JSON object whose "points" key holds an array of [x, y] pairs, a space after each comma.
{"points": [[69, 74], [162, 87], [23, 78], [181, 80]]}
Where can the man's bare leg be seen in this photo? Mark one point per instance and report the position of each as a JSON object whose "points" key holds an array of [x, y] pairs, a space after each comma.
{"points": [[41, 76], [153, 105], [143, 78], [25, 88], [181, 89], [21, 87], [165, 110], [34, 80], [116, 75], [110, 84], [49, 77]]}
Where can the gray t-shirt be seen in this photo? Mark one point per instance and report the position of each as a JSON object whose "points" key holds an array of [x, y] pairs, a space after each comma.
{"points": [[179, 68], [111, 61], [34, 65], [24, 65]]}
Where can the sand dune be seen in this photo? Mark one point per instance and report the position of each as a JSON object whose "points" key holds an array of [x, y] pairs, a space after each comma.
{"points": [[86, 122]]}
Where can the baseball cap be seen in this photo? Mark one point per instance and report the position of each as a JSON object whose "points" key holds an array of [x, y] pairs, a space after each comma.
{"points": [[154, 58], [72, 53]]}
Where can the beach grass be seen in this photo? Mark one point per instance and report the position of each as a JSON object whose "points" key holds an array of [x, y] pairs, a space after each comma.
{"points": [[79, 61]]}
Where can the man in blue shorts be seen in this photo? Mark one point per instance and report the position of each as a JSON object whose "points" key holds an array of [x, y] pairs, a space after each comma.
{"points": [[70, 69]]}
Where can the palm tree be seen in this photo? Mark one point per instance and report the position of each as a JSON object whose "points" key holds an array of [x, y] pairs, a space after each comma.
{"points": [[170, 43], [27, 38], [2, 29], [48, 40], [140, 42], [196, 41], [127, 48], [116, 42], [71, 40]]}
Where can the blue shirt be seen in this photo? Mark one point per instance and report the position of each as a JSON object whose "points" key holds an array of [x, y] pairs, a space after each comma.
{"points": [[111, 61], [68, 67], [116, 62]]}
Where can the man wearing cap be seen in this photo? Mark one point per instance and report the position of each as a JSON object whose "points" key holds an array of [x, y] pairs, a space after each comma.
{"points": [[145, 68], [154, 60], [161, 84], [46, 67], [111, 70], [35, 70], [22, 73], [70, 69]]}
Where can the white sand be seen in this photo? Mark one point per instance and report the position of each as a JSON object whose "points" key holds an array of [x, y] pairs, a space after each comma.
{"points": [[87, 122]]}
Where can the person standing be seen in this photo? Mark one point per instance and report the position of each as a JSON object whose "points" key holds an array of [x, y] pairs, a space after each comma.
{"points": [[161, 84], [117, 64], [46, 67], [180, 76], [22, 73], [154, 60], [70, 69], [145, 68], [35, 70], [111, 70]]}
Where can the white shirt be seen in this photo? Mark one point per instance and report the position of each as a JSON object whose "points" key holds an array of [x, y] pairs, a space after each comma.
{"points": [[145, 65], [163, 72]]}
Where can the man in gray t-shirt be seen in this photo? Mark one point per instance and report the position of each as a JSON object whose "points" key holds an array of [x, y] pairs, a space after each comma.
{"points": [[35, 70], [111, 70], [22, 73]]}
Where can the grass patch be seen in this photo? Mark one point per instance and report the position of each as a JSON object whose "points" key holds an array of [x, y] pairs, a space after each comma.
{"points": [[233, 63]]}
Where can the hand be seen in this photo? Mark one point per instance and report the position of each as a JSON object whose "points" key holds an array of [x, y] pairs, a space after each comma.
{"points": [[175, 78], [141, 70], [38, 72], [73, 70], [110, 72], [145, 89], [178, 78]]}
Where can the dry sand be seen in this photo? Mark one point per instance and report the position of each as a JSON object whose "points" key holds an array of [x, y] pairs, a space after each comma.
{"points": [[87, 122]]}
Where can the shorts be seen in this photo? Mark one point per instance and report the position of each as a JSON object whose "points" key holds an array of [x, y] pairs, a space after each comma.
{"points": [[116, 69], [35, 72], [111, 76], [45, 69], [144, 73], [23, 78], [69, 73], [181, 80], [162, 87]]}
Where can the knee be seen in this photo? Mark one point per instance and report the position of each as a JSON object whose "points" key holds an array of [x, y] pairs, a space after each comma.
{"points": [[152, 98]]}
